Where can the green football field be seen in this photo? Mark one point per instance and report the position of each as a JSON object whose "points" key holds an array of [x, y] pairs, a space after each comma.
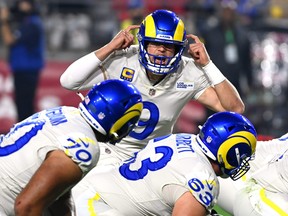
{"points": [[221, 211]]}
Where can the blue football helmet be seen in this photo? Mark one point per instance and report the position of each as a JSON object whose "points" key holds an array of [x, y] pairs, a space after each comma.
{"points": [[112, 107], [229, 139], [165, 27]]}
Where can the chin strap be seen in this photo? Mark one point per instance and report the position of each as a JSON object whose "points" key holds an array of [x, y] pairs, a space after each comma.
{"points": [[80, 95], [222, 167]]}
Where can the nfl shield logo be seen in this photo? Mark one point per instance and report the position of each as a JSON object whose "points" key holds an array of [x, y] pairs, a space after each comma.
{"points": [[209, 139], [152, 92], [101, 115]]}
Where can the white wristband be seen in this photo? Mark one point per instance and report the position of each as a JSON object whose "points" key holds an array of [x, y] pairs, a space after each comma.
{"points": [[213, 73]]}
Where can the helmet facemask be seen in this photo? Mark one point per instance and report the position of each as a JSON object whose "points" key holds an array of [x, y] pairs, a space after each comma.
{"points": [[237, 172], [171, 66]]}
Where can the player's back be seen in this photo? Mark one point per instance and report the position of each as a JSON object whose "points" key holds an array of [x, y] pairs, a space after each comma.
{"points": [[140, 185], [25, 147]]}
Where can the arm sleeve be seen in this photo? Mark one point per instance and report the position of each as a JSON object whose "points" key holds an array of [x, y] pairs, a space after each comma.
{"points": [[83, 73]]}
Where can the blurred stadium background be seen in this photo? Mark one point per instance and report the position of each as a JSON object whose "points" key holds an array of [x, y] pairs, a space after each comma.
{"points": [[74, 28]]}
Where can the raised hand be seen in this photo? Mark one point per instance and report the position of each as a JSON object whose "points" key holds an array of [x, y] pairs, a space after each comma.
{"points": [[124, 38], [198, 51]]}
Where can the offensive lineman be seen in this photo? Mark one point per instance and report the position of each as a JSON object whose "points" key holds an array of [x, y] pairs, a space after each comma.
{"points": [[174, 174], [45, 155], [264, 189]]}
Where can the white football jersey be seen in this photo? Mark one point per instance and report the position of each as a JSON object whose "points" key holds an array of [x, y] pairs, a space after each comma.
{"points": [[25, 147], [162, 102], [140, 185]]}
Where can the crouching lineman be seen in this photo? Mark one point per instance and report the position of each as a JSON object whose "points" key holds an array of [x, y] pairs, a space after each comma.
{"points": [[45, 155], [174, 174], [264, 189]]}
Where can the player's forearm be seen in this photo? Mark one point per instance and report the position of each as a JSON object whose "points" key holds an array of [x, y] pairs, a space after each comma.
{"points": [[229, 97]]}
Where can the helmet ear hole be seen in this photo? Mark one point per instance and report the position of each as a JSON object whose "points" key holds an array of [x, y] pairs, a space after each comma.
{"points": [[231, 128]]}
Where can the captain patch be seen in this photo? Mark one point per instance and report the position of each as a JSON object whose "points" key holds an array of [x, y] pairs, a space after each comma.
{"points": [[127, 74]]}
